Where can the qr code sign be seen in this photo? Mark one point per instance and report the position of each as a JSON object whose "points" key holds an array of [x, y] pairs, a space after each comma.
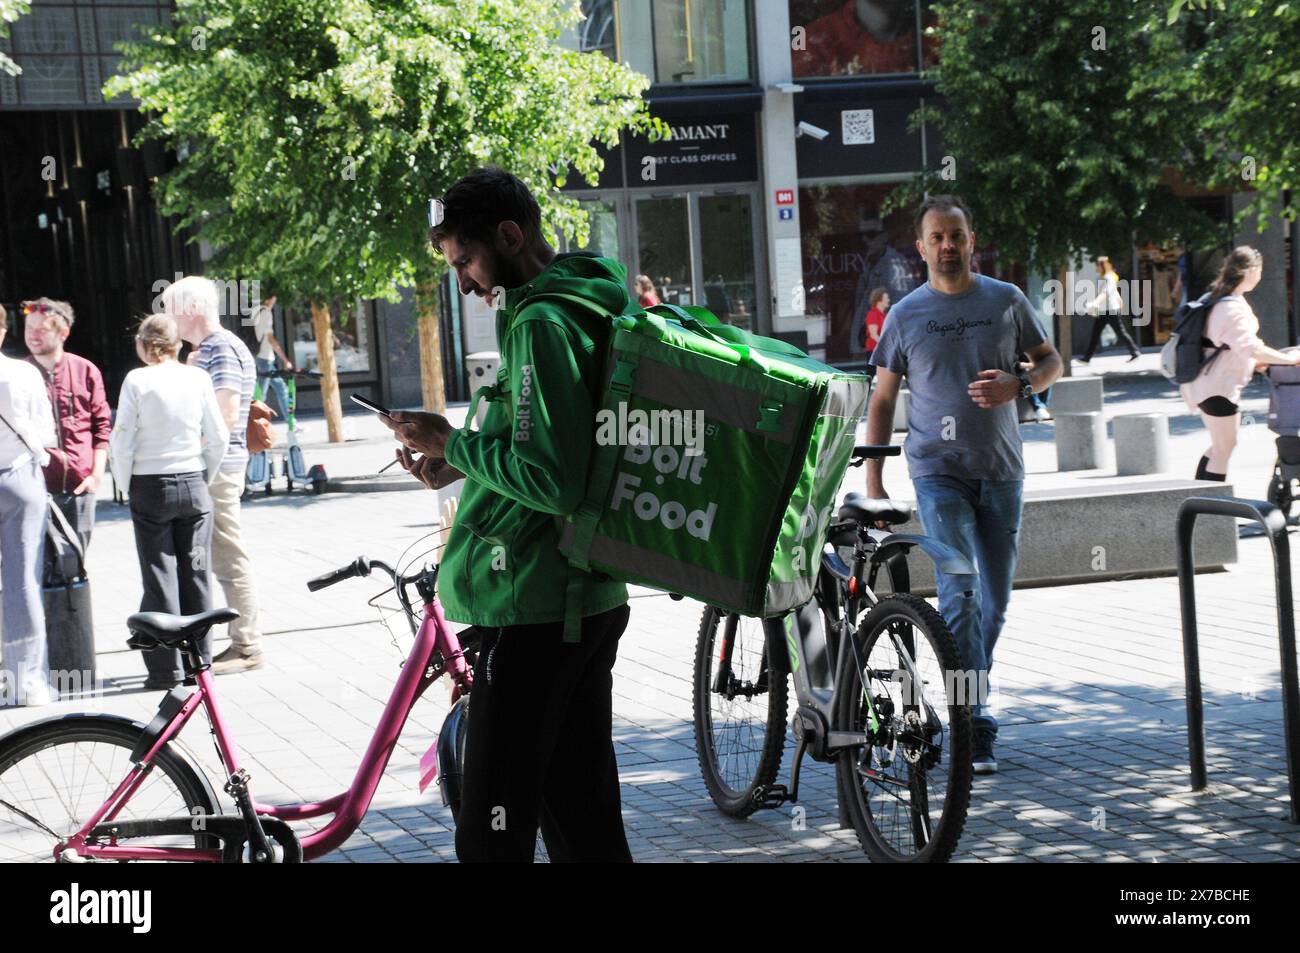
{"points": [[858, 127]]}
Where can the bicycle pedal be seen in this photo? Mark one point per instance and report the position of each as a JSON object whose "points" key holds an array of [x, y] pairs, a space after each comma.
{"points": [[770, 796]]}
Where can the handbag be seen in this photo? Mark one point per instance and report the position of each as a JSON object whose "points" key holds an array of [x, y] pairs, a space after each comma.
{"points": [[65, 557]]}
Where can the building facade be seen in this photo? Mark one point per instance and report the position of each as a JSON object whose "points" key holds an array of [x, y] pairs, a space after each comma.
{"points": [[790, 127]]}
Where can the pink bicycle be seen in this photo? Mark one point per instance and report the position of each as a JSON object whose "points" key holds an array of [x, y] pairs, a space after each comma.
{"points": [[100, 787]]}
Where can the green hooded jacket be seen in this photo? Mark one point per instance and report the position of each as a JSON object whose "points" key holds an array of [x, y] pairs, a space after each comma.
{"points": [[528, 463]]}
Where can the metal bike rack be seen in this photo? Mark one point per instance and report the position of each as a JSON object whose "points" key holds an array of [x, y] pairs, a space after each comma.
{"points": [[1274, 523]]}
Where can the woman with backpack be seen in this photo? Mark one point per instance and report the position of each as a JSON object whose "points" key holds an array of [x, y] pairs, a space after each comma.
{"points": [[1235, 352], [167, 444]]}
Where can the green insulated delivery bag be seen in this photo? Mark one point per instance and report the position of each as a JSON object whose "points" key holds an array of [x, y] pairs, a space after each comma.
{"points": [[717, 462]]}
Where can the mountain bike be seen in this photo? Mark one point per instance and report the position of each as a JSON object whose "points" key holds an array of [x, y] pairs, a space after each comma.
{"points": [[100, 787], [887, 699]]}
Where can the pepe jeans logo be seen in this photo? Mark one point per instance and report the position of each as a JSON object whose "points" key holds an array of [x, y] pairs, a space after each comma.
{"points": [[958, 327], [647, 505]]}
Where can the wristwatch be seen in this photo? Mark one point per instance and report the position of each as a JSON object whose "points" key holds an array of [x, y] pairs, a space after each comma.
{"points": [[1026, 386]]}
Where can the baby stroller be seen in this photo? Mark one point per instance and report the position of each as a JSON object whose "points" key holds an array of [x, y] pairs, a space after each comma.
{"points": [[1284, 420]]}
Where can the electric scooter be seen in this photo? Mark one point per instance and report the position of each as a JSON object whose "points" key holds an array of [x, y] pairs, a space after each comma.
{"points": [[261, 470]]}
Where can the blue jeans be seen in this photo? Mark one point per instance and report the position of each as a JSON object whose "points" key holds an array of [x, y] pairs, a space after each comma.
{"points": [[276, 385], [981, 520]]}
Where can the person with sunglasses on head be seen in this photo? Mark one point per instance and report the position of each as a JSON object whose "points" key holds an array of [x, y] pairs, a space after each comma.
{"points": [[26, 429], [82, 419]]}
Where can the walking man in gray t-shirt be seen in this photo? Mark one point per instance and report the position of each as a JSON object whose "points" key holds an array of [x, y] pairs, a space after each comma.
{"points": [[956, 339]]}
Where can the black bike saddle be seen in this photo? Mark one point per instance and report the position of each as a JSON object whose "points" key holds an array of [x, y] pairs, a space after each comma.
{"points": [[862, 508]]}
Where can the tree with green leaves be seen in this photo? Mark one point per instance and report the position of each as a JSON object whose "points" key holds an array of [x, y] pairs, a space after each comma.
{"points": [[1238, 81], [1044, 136], [318, 130], [10, 10]]}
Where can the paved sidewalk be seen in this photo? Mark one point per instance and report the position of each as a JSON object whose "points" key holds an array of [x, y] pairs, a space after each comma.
{"points": [[1093, 748]]}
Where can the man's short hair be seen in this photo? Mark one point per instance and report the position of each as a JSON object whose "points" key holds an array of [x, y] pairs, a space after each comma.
{"points": [[945, 203], [474, 207], [179, 297], [60, 309]]}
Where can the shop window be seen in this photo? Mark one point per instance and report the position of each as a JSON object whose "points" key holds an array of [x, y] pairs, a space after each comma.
{"points": [[352, 352], [854, 37], [849, 251], [671, 41]]}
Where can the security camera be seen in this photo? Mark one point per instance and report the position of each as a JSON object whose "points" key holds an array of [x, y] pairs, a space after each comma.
{"points": [[808, 129]]}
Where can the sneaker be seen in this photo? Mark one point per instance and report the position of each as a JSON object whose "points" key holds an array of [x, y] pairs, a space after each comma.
{"points": [[1042, 414], [1134, 357], [235, 659], [984, 762]]}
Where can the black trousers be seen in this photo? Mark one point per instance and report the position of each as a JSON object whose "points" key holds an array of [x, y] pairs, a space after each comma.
{"points": [[1121, 332], [539, 749], [172, 515]]}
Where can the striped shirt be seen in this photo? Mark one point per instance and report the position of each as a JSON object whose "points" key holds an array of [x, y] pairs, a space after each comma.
{"points": [[230, 364]]}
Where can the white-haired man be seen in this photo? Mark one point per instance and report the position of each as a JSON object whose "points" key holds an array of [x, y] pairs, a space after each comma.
{"points": [[193, 302]]}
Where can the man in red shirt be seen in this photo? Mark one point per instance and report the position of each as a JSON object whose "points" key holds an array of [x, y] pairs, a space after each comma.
{"points": [[82, 419]]}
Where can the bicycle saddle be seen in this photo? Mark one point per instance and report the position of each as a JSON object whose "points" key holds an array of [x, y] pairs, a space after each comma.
{"points": [[161, 628], [866, 510]]}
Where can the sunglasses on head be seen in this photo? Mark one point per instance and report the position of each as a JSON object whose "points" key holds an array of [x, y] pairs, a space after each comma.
{"points": [[32, 308]]}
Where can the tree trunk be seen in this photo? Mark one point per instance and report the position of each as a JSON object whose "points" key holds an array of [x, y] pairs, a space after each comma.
{"points": [[1065, 325], [433, 392], [329, 375]]}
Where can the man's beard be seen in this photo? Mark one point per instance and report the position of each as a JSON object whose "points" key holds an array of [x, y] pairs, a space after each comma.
{"points": [[951, 266]]}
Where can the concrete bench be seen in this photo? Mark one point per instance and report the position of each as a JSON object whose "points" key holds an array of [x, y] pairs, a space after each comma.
{"points": [[1080, 440], [1141, 443], [1113, 530]]}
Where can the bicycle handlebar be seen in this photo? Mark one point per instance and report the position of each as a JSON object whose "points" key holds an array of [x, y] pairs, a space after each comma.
{"points": [[358, 567]]}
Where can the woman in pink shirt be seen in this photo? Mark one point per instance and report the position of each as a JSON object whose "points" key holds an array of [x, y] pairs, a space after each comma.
{"points": [[1216, 394]]}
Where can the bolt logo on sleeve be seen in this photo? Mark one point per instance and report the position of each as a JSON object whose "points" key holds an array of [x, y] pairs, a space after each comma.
{"points": [[524, 406]]}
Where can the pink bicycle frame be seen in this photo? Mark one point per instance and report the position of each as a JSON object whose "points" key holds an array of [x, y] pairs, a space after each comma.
{"points": [[437, 651]]}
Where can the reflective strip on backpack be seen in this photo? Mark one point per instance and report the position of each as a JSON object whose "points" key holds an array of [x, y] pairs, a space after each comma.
{"points": [[721, 402], [672, 574], [783, 596]]}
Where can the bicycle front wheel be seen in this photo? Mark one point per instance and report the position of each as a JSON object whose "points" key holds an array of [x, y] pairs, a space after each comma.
{"points": [[740, 699], [54, 777], [907, 786]]}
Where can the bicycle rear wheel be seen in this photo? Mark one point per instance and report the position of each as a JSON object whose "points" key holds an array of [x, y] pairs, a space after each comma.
{"points": [[740, 700], [53, 777], [908, 786]]}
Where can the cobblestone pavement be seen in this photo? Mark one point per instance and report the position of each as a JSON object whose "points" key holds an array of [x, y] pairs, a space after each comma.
{"points": [[1092, 747]]}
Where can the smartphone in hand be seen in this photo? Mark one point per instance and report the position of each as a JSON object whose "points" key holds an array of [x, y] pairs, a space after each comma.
{"points": [[371, 405]]}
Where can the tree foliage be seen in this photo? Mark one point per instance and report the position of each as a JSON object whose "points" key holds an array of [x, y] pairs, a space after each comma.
{"points": [[1238, 80], [10, 10], [317, 130], [1050, 142]]}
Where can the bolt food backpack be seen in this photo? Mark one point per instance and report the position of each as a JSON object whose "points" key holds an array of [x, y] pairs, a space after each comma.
{"points": [[716, 462]]}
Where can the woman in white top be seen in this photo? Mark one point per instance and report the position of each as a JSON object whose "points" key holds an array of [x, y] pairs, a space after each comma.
{"points": [[167, 444], [26, 429], [1216, 393], [1106, 309]]}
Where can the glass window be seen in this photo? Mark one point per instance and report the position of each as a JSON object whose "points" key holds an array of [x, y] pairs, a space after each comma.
{"points": [[849, 253], [671, 41], [853, 37], [351, 339], [602, 222], [727, 257], [664, 236]]}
